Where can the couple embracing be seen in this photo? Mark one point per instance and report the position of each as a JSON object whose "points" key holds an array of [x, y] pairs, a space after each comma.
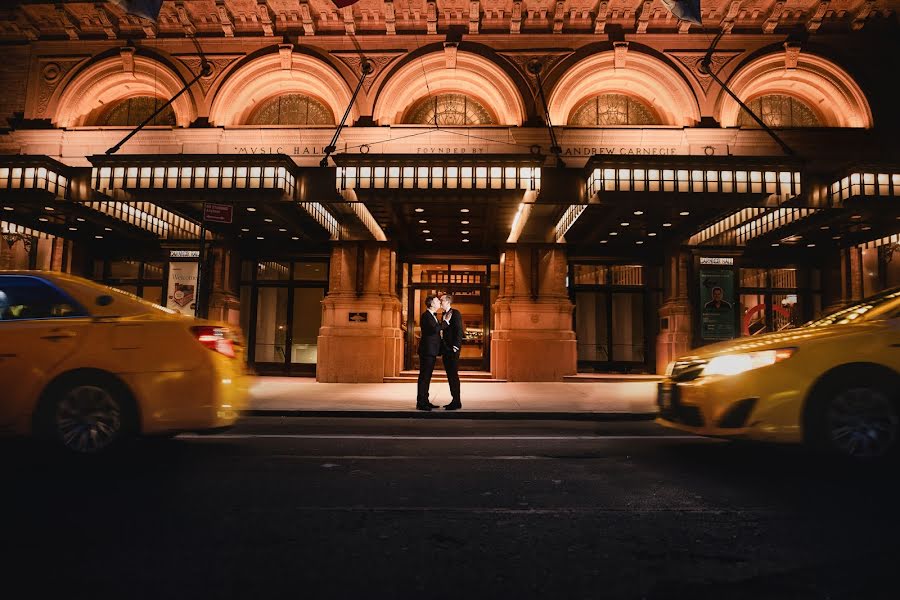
{"points": [[442, 335]]}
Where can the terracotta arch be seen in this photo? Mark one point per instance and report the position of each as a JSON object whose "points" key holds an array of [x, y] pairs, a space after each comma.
{"points": [[818, 82], [471, 74], [118, 78], [274, 74], [642, 77]]}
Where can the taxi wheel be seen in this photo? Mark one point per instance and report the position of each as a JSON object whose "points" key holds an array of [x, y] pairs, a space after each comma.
{"points": [[87, 414], [859, 420]]}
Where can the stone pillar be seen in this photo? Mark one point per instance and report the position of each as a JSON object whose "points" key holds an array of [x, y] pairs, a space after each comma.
{"points": [[676, 325], [532, 339], [223, 300], [362, 279]]}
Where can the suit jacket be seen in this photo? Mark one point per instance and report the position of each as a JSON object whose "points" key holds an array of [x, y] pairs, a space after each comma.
{"points": [[430, 343], [453, 332]]}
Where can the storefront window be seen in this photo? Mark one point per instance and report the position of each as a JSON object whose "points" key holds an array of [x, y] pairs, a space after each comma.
{"points": [[273, 271], [125, 269], [590, 274], [306, 322], [627, 275], [311, 271], [753, 314], [880, 268], [271, 324], [592, 326], [753, 278]]}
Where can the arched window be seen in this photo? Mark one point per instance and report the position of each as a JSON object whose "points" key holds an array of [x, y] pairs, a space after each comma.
{"points": [[778, 110], [449, 109], [611, 110], [291, 109], [133, 111]]}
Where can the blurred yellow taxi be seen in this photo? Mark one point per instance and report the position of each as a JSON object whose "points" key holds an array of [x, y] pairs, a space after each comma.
{"points": [[88, 366], [833, 384]]}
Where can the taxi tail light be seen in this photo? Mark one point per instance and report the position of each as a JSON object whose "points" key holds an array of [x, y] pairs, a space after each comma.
{"points": [[217, 339]]}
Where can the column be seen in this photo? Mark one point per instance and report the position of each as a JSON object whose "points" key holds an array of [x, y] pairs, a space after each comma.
{"points": [[533, 339], [360, 340], [675, 326]]}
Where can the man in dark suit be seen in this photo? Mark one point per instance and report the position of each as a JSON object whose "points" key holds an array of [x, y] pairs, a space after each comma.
{"points": [[429, 349], [452, 326]]}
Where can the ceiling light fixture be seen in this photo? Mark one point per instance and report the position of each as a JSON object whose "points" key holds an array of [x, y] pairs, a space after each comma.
{"points": [[282, 229], [684, 213], [824, 227], [775, 244], [638, 212], [259, 237], [267, 220], [613, 233], [429, 240], [652, 234], [856, 217], [810, 245], [420, 210], [639, 242], [8, 208], [426, 231], [464, 232], [466, 222], [465, 239], [80, 220], [43, 219], [73, 229], [245, 229], [107, 229], [464, 210], [251, 209], [667, 224], [99, 237], [49, 208], [604, 241], [423, 221], [624, 223], [835, 237], [294, 237]]}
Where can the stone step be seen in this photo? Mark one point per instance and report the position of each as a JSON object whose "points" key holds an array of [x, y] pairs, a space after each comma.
{"points": [[610, 378], [441, 375]]}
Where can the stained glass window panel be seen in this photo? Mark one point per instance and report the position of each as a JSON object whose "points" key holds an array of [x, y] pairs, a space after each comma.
{"points": [[612, 110], [449, 110], [133, 111], [778, 110], [291, 109]]}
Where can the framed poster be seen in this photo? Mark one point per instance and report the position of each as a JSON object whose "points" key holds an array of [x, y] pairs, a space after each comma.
{"points": [[182, 293], [717, 304]]}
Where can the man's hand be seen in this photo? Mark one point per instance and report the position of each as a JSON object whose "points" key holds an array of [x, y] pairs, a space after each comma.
{"points": [[456, 348]]}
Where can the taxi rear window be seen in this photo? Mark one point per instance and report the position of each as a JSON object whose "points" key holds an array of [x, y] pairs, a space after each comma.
{"points": [[25, 298]]}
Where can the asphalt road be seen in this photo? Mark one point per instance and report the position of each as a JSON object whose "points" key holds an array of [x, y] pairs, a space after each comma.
{"points": [[437, 508]]}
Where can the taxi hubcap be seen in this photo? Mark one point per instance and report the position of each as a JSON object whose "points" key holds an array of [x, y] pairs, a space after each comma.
{"points": [[88, 419], [863, 422]]}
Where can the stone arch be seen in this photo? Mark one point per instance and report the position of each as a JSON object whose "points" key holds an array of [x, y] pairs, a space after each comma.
{"points": [[450, 71], [829, 90], [116, 78], [284, 72], [639, 75]]}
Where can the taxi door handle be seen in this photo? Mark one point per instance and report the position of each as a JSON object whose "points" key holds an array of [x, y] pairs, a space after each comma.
{"points": [[58, 335]]}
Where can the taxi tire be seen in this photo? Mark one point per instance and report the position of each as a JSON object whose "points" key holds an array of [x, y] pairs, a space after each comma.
{"points": [[817, 436], [44, 426]]}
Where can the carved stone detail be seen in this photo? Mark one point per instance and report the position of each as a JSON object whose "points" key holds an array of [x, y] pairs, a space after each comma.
{"points": [[218, 64], [378, 61], [691, 60], [52, 73], [549, 61]]}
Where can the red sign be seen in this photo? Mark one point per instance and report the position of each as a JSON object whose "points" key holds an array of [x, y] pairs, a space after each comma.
{"points": [[217, 213]]}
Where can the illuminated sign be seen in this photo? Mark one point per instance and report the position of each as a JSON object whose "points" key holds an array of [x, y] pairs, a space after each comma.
{"points": [[716, 260]]}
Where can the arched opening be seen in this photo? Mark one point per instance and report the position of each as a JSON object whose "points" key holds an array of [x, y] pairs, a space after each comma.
{"points": [[817, 84], [624, 91], [131, 112], [607, 110], [291, 109], [464, 75], [779, 111], [449, 110]]}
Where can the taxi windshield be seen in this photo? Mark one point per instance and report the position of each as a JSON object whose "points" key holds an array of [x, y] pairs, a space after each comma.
{"points": [[883, 305]]}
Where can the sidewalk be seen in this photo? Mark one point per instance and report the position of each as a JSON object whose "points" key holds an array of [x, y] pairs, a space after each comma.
{"points": [[294, 396]]}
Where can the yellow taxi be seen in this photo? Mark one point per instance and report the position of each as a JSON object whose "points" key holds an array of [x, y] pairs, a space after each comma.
{"points": [[88, 366], [833, 384]]}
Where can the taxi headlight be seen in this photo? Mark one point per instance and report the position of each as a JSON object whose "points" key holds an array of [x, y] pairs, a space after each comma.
{"points": [[735, 364], [670, 368]]}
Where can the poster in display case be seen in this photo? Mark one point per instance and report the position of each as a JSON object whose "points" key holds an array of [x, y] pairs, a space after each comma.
{"points": [[182, 294]]}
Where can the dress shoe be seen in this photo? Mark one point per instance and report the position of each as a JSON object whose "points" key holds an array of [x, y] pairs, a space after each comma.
{"points": [[453, 406], [433, 405], [425, 407]]}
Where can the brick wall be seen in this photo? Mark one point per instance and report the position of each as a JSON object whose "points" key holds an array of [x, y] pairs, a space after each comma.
{"points": [[13, 80]]}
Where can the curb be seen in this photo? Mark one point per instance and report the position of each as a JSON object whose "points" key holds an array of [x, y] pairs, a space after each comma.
{"points": [[471, 415]]}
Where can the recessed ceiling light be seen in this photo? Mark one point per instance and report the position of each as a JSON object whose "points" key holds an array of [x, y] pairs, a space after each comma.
{"points": [[464, 231], [294, 237], [667, 224], [420, 210], [639, 242], [774, 244], [99, 237], [8, 208], [684, 213], [464, 210], [835, 237], [49, 208], [107, 229], [466, 222], [603, 241], [465, 239], [251, 209], [639, 212], [429, 240], [267, 220], [810, 245], [824, 228], [43, 219], [80, 220], [866, 227], [73, 229], [245, 229], [426, 231], [259, 237], [652, 234], [856, 217], [624, 223], [423, 221], [613, 233], [282, 229]]}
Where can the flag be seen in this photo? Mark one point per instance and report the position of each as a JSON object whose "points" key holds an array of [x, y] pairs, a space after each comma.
{"points": [[686, 10], [147, 9], [344, 3]]}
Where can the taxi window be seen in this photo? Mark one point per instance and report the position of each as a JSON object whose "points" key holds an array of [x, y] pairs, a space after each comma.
{"points": [[24, 298]]}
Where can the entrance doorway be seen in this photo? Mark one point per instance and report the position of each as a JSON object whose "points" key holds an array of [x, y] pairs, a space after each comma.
{"points": [[474, 288]]}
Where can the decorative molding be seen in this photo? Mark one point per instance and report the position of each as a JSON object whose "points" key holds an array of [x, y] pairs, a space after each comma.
{"points": [[450, 50], [727, 23], [815, 21], [185, 19], [791, 55], [53, 72], [349, 20], [390, 18], [691, 61], [285, 51], [643, 18], [218, 63], [774, 16], [474, 16], [224, 18], [309, 28], [620, 50], [602, 14], [559, 16], [378, 61], [432, 17], [859, 20], [127, 54], [264, 18], [108, 28], [548, 60], [67, 22], [515, 21]]}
